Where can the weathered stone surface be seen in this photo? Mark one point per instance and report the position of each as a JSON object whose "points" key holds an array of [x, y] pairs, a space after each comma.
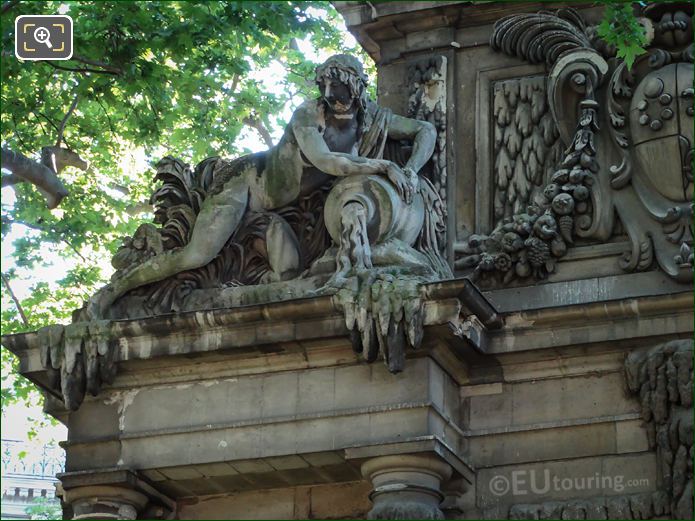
{"points": [[542, 444], [261, 408], [319, 502], [658, 374], [554, 481]]}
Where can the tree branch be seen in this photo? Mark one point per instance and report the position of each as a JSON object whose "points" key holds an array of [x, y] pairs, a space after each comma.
{"points": [[9, 180], [9, 222], [139, 208], [65, 120], [108, 118], [50, 121], [8, 5], [256, 123], [40, 123], [80, 70], [235, 82], [40, 175], [16, 133], [57, 158], [6, 280], [107, 68]]}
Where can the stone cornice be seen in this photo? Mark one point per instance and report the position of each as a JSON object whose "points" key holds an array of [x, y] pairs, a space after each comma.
{"points": [[375, 23]]}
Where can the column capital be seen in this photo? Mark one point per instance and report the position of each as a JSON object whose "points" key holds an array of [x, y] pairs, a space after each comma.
{"points": [[112, 494], [406, 486], [105, 502]]}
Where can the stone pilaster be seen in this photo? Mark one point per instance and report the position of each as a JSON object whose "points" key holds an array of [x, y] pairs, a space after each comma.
{"points": [[406, 486]]}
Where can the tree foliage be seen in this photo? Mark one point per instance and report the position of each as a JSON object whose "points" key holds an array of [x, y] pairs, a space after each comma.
{"points": [[44, 508], [622, 29], [147, 79]]}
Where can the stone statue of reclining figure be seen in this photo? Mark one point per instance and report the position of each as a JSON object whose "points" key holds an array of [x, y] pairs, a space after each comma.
{"points": [[342, 133]]}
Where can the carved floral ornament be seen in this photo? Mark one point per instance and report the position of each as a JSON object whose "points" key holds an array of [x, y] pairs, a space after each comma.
{"points": [[629, 139]]}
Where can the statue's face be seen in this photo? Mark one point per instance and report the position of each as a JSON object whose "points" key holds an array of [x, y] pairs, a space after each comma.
{"points": [[337, 95]]}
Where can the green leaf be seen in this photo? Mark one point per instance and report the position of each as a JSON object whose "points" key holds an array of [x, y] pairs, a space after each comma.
{"points": [[621, 28]]}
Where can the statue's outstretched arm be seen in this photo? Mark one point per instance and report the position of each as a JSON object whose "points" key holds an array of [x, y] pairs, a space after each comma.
{"points": [[424, 137]]}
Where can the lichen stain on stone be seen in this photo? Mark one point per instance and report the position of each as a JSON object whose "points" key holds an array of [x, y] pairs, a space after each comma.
{"points": [[123, 399]]}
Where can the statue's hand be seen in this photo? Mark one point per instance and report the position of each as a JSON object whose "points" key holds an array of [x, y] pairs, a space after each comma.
{"points": [[413, 180], [401, 181]]}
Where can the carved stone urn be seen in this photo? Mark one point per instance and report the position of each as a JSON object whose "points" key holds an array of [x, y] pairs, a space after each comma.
{"points": [[387, 215]]}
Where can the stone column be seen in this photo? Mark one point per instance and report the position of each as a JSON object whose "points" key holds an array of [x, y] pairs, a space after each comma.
{"points": [[406, 486], [104, 502]]}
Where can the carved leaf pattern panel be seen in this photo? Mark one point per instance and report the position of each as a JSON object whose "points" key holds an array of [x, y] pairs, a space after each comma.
{"points": [[526, 144]]}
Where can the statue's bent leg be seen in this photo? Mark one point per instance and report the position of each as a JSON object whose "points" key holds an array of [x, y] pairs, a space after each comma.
{"points": [[284, 252], [214, 225]]}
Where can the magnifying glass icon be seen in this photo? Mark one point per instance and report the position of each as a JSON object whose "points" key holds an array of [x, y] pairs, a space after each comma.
{"points": [[42, 35]]}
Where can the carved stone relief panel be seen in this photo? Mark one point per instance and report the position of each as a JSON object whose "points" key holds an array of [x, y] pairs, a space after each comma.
{"points": [[626, 159], [502, 135], [526, 145]]}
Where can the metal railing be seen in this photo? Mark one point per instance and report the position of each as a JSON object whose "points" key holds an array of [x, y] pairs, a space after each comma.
{"points": [[22, 459]]}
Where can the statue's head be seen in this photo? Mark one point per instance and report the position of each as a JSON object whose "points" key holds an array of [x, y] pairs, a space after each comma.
{"points": [[342, 83]]}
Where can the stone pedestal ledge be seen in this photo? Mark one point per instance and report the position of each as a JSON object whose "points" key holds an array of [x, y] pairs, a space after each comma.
{"points": [[406, 486]]}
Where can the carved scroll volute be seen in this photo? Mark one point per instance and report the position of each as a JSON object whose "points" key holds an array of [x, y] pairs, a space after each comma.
{"points": [[575, 77]]}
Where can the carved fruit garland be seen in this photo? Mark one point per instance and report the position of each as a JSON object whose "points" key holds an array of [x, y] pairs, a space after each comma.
{"points": [[529, 244]]}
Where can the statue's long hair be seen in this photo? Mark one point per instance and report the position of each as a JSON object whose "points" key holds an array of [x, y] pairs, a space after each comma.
{"points": [[348, 71]]}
